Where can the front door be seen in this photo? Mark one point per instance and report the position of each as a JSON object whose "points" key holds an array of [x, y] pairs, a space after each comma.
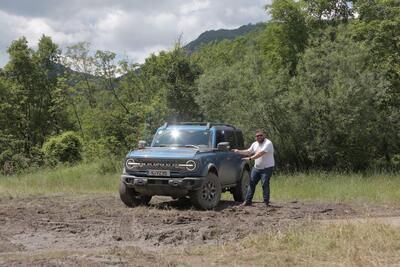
{"points": [[229, 162]]}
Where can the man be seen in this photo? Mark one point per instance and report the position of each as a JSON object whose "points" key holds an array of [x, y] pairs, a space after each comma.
{"points": [[262, 152]]}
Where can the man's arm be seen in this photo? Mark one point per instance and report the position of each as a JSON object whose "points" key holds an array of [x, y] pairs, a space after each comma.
{"points": [[256, 156], [244, 152]]}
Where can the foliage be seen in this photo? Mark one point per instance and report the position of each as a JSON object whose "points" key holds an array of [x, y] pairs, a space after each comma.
{"points": [[63, 148], [215, 36], [322, 78]]}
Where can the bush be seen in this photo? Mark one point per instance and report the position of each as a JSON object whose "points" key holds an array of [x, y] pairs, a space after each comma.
{"points": [[110, 165], [14, 158], [64, 148]]}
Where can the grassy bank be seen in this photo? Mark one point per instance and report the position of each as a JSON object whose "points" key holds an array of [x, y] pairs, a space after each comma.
{"points": [[376, 188], [78, 179], [87, 178], [304, 245]]}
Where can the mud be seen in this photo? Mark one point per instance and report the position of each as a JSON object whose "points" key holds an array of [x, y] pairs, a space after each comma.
{"points": [[100, 230]]}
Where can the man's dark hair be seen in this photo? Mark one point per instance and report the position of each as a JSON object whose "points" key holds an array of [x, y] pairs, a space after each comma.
{"points": [[261, 131]]}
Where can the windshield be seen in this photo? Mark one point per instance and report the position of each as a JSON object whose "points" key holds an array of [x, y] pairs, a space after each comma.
{"points": [[182, 137]]}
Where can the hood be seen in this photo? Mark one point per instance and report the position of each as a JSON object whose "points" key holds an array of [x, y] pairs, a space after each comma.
{"points": [[164, 152]]}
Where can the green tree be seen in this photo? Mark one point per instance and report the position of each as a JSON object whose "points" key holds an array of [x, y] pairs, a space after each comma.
{"points": [[78, 59], [287, 35]]}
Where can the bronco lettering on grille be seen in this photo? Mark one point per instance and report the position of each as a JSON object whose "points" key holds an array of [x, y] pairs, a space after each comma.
{"points": [[156, 164]]}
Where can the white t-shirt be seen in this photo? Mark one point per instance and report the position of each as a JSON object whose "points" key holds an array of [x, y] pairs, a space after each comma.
{"points": [[267, 160]]}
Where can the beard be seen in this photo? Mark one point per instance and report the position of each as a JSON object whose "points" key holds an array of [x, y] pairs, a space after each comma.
{"points": [[261, 141]]}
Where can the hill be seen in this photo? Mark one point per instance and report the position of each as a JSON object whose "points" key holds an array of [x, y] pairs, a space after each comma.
{"points": [[221, 34]]}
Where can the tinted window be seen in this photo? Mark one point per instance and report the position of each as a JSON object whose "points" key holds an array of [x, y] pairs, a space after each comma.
{"points": [[230, 137], [239, 139], [219, 137]]}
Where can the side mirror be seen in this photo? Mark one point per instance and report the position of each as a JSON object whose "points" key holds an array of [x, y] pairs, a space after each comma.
{"points": [[223, 146], [141, 144]]}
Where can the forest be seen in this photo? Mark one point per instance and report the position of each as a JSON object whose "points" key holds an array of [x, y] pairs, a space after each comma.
{"points": [[322, 78]]}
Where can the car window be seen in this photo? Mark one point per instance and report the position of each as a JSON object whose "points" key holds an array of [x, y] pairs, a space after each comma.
{"points": [[230, 137], [181, 137], [239, 139], [219, 137]]}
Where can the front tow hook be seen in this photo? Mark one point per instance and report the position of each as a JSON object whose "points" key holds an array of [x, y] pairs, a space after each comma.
{"points": [[174, 183], [140, 182]]}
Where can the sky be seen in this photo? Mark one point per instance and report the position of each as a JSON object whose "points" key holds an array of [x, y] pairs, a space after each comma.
{"points": [[131, 28]]}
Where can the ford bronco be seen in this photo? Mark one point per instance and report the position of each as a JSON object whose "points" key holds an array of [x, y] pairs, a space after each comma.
{"points": [[186, 159]]}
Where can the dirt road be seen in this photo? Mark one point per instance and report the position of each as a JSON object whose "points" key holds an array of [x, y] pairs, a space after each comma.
{"points": [[100, 230]]}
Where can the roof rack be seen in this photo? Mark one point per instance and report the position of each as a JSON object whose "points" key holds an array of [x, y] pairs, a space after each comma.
{"points": [[208, 124], [222, 124]]}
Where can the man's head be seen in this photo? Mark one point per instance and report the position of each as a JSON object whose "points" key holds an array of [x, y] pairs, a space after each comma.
{"points": [[260, 135]]}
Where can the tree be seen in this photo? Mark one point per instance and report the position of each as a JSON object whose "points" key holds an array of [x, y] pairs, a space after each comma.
{"points": [[336, 101], [287, 35], [32, 104], [78, 59], [331, 11], [36, 101]]}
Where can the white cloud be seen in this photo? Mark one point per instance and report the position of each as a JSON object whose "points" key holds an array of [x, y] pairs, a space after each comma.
{"points": [[128, 27], [194, 6]]}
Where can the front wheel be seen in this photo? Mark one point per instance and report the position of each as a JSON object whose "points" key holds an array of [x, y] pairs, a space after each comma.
{"points": [[130, 197], [240, 191], [209, 194]]}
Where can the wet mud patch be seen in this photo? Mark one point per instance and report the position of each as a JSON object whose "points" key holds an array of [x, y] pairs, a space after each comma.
{"points": [[81, 228]]}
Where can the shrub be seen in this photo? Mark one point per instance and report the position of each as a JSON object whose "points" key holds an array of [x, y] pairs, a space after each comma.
{"points": [[63, 148], [14, 158], [110, 165]]}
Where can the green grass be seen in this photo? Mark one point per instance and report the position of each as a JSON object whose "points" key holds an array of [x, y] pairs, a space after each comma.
{"points": [[87, 178], [79, 179], [377, 188], [302, 244]]}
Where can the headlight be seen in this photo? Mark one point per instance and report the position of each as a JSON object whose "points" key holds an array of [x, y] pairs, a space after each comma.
{"points": [[190, 165], [131, 164]]}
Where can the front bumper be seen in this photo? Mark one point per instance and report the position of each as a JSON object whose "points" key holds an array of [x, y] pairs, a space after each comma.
{"points": [[166, 186]]}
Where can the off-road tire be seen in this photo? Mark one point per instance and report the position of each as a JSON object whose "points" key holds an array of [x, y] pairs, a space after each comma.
{"points": [[209, 194], [239, 191], [130, 197]]}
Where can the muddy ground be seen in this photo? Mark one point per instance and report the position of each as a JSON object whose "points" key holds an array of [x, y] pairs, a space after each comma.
{"points": [[98, 230]]}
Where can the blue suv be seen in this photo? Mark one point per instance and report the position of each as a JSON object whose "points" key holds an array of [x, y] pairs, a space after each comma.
{"points": [[187, 159]]}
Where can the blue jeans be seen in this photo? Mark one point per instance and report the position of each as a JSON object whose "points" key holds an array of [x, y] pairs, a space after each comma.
{"points": [[256, 175]]}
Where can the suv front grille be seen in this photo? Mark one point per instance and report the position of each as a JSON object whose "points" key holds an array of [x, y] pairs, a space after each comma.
{"points": [[144, 164]]}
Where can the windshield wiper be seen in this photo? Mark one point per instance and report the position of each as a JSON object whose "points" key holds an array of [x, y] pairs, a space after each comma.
{"points": [[191, 146]]}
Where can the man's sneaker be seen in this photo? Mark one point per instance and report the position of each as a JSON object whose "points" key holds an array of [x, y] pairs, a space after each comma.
{"points": [[246, 203]]}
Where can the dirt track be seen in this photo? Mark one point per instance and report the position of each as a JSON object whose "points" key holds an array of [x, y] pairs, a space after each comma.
{"points": [[100, 230]]}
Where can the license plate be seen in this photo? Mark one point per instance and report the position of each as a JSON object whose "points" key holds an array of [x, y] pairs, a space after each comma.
{"points": [[159, 173]]}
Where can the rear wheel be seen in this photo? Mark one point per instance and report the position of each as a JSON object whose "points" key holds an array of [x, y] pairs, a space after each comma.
{"points": [[239, 192], [130, 197], [209, 194]]}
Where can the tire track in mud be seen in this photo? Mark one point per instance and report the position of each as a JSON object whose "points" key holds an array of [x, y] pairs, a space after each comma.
{"points": [[79, 227]]}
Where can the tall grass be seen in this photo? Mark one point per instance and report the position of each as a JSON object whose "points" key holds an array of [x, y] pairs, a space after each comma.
{"points": [[79, 179], [374, 188], [377, 188], [349, 244], [87, 178]]}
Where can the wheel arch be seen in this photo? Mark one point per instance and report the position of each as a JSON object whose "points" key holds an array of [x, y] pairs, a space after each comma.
{"points": [[244, 167], [210, 168]]}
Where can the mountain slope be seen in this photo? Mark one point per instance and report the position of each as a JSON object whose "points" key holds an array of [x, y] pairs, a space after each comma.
{"points": [[221, 34]]}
